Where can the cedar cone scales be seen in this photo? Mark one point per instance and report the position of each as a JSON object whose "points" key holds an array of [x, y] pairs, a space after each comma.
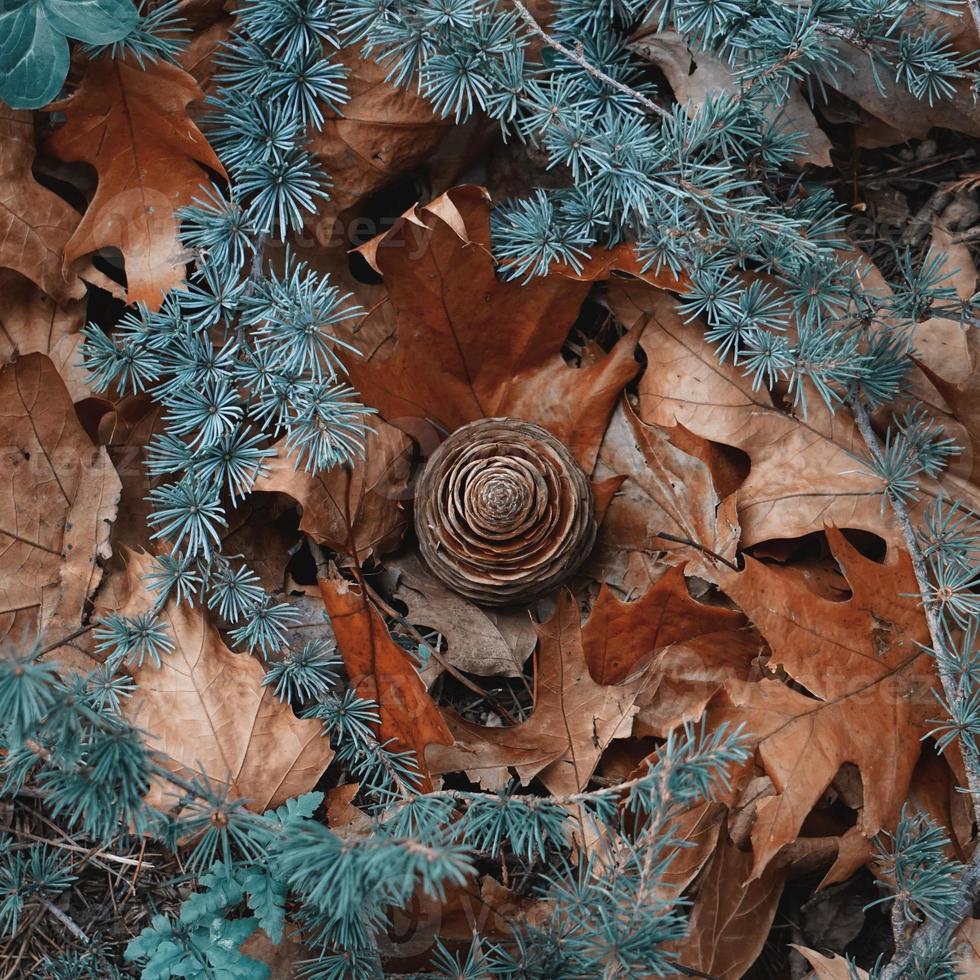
{"points": [[503, 513]]}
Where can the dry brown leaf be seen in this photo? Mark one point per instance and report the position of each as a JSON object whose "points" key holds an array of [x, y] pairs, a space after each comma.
{"points": [[732, 914], [381, 670], [941, 343], [689, 674], [58, 499], [572, 722], [130, 122], [854, 850], [949, 354], [35, 224], [125, 431], [618, 635], [665, 490], [870, 687], [804, 473], [356, 511], [489, 642], [697, 830], [461, 344], [206, 709], [31, 322], [892, 103], [383, 131], [695, 75]]}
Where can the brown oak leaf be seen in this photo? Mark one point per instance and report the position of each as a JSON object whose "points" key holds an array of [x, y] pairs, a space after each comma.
{"points": [[31, 322], [804, 473], [461, 344], [130, 122], [869, 685], [573, 720], [381, 670], [207, 710], [664, 489], [618, 635], [58, 497]]}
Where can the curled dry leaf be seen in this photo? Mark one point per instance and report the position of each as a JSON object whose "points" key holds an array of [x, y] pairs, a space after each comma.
{"points": [[804, 472], [356, 511], [31, 322], [870, 685], [503, 513], [381, 670], [130, 122], [489, 642], [58, 499], [460, 344], [35, 224], [885, 99], [206, 709], [382, 131], [572, 722]]}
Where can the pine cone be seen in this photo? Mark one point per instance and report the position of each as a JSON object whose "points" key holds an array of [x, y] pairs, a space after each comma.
{"points": [[503, 512]]}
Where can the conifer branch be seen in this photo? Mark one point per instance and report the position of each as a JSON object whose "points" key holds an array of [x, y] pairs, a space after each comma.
{"points": [[933, 932], [581, 61]]}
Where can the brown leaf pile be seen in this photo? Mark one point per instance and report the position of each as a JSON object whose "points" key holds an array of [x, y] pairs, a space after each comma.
{"points": [[665, 544]]}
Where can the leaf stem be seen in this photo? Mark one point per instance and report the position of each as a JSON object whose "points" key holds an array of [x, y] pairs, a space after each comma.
{"points": [[699, 547]]}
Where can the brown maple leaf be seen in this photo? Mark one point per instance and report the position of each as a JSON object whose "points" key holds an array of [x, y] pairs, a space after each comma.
{"points": [[130, 122], [35, 224], [572, 722], [58, 498], [207, 710], [869, 685], [381, 670], [460, 344]]}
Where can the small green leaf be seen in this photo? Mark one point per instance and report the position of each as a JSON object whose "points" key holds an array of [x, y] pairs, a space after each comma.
{"points": [[34, 48], [33, 58], [92, 21]]}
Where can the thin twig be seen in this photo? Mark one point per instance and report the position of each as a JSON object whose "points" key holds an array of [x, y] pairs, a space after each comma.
{"points": [[698, 547], [580, 60], [65, 640], [65, 920], [101, 855]]}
